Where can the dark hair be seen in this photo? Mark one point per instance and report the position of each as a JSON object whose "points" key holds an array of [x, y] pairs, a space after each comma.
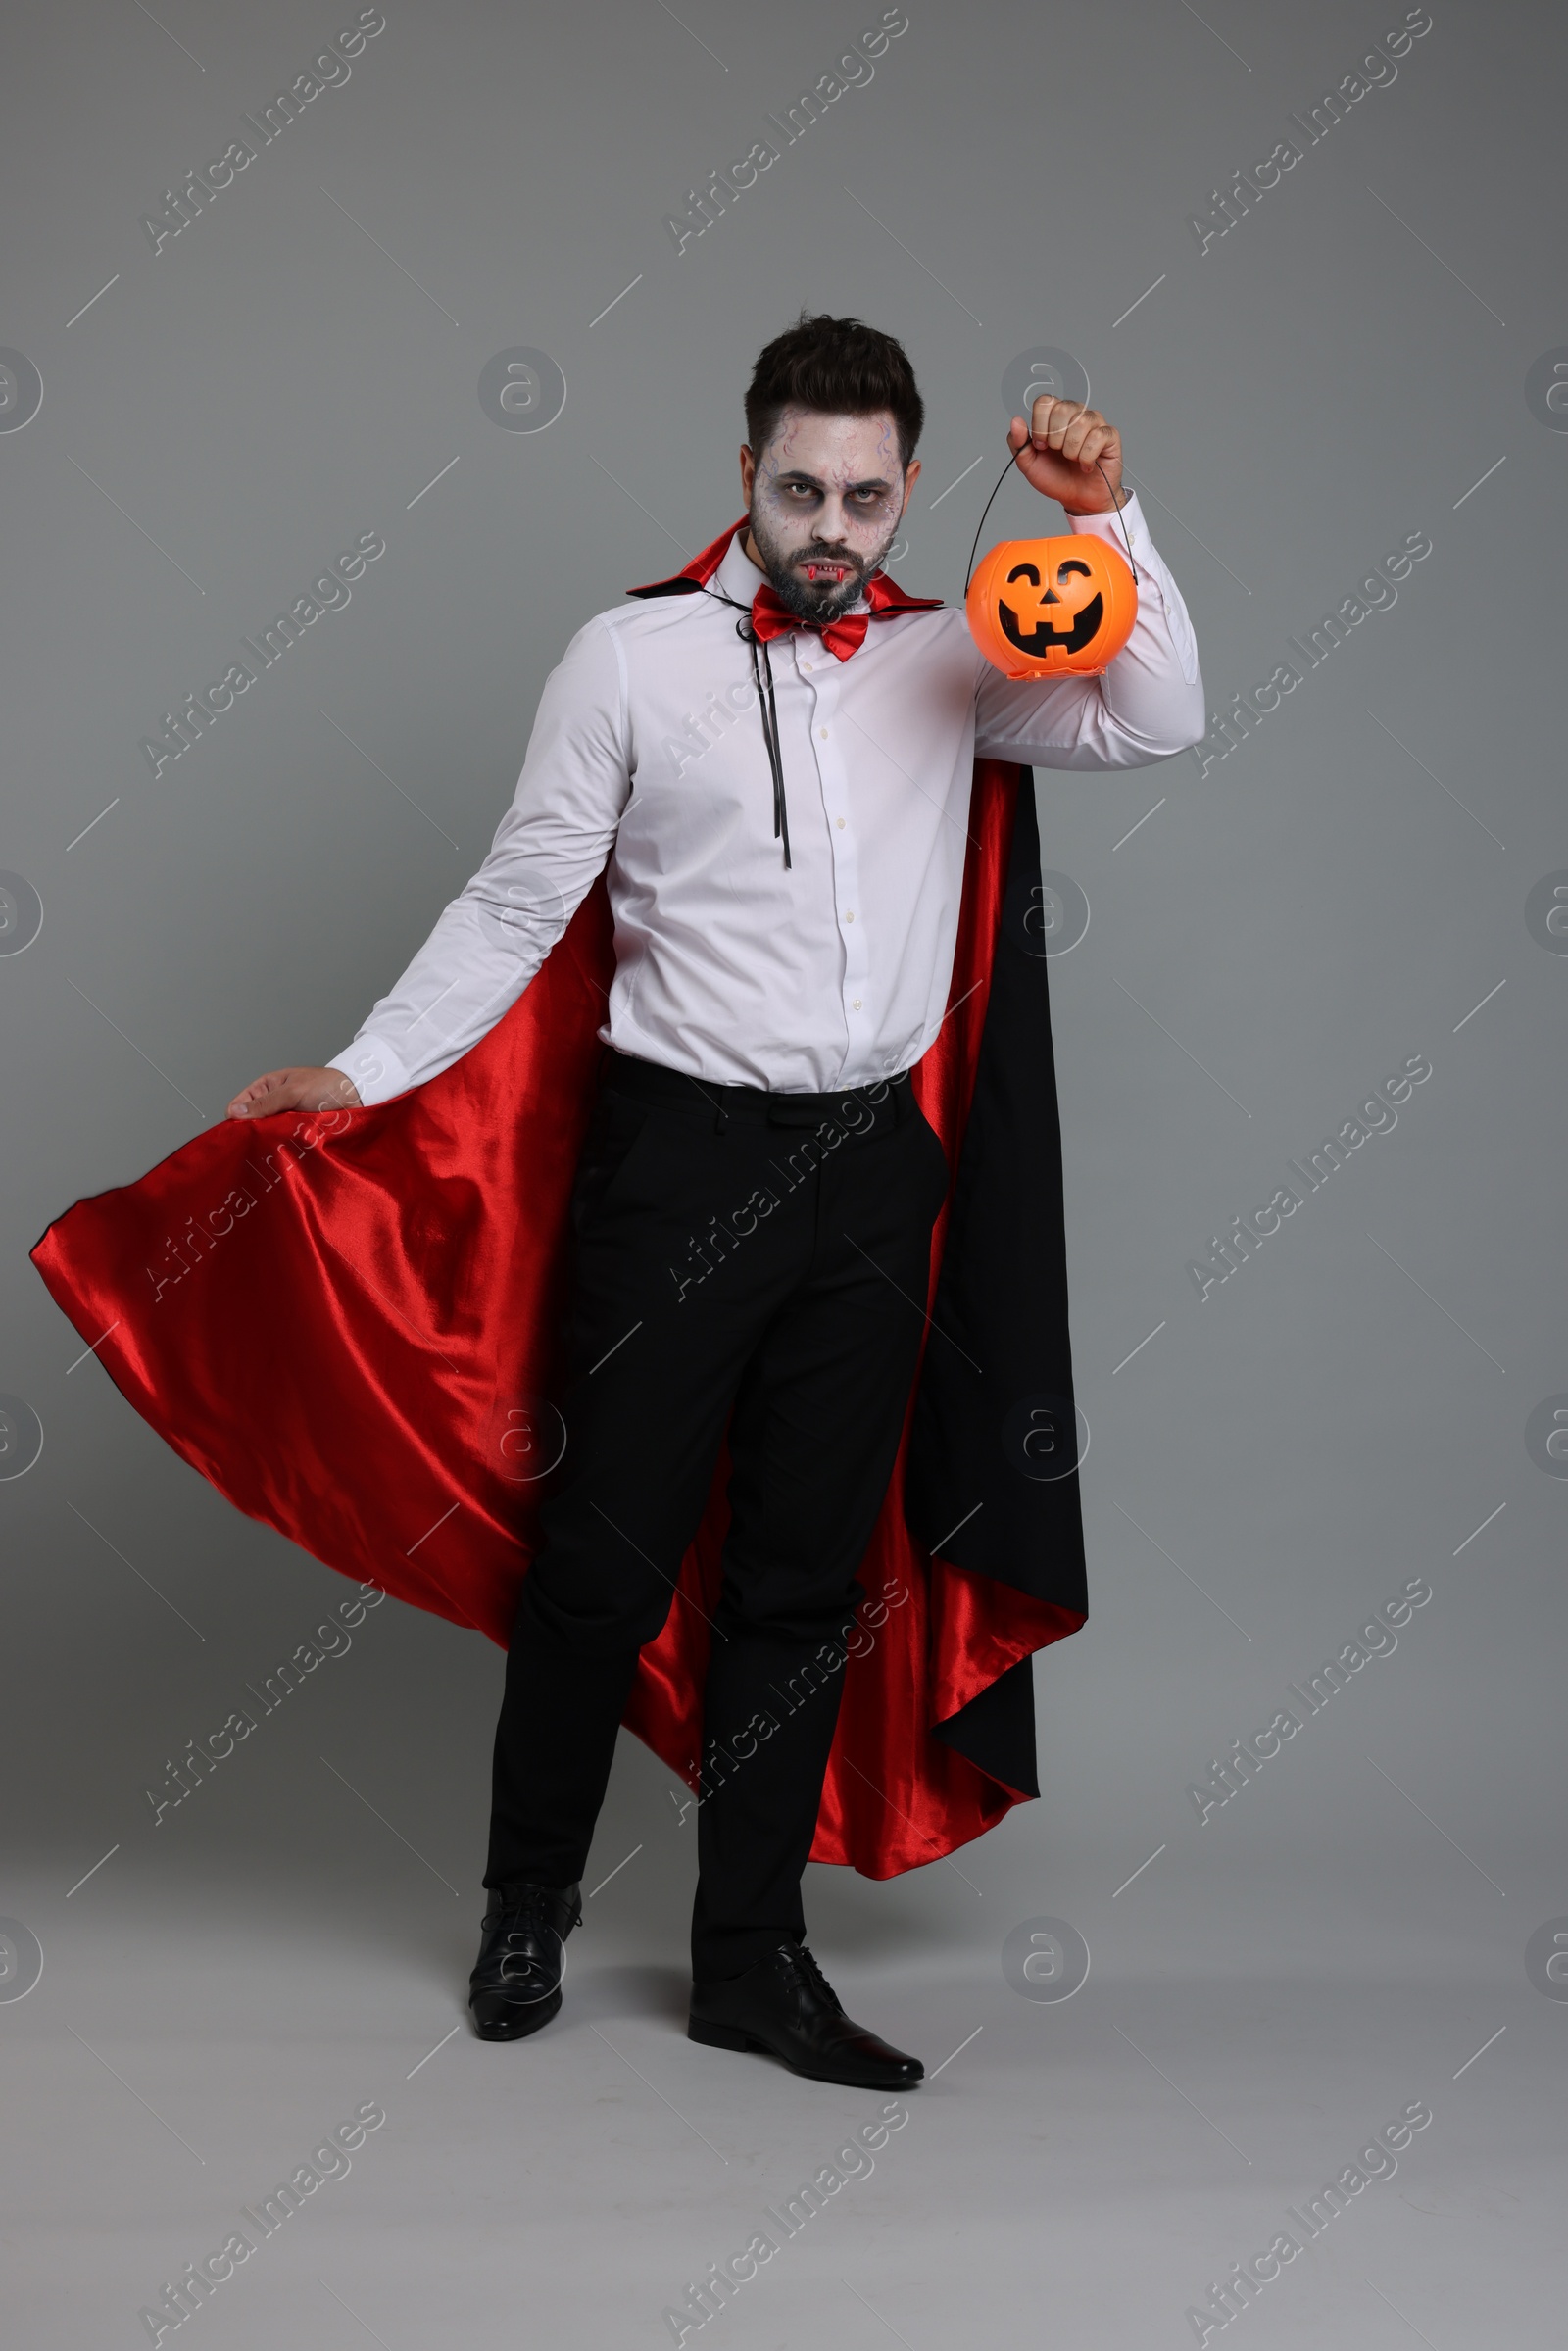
{"points": [[840, 366]]}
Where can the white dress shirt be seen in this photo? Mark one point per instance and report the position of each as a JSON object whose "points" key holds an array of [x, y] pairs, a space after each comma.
{"points": [[647, 761]]}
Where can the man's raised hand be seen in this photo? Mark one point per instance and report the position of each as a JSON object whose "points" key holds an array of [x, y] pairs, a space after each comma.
{"points": [[1060, 451], [295, 1090]]}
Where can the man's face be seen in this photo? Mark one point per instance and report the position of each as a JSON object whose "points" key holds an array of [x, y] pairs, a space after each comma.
{"points": [[825, 498]]}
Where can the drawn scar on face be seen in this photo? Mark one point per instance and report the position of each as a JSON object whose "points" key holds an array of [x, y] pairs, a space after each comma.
{"points": [[789, 487]]}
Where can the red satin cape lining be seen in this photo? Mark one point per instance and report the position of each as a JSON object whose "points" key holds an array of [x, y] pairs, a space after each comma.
{"points": [[347, 1323]]}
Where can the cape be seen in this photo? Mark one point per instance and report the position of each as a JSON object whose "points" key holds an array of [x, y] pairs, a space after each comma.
{"points": [[348, 1322]]}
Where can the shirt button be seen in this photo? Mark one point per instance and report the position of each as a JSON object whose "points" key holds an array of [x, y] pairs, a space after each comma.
{"points": [[806, 664], [849, 917], [857, 1003], [822, 731], [839, 821]]}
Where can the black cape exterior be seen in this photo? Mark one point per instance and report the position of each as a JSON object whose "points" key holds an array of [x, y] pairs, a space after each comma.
{"points": [[994, 1452]]}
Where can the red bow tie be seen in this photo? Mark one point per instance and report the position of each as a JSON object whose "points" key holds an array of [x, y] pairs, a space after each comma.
{"points": [[772, 618]]}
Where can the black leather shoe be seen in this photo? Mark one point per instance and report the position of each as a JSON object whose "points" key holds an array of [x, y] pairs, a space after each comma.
{"points": [[786, 2006], [515, 1988]]}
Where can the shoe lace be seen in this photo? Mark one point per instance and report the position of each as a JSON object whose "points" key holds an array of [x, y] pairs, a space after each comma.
{"points": [[526, 1909], [802, 1961]]}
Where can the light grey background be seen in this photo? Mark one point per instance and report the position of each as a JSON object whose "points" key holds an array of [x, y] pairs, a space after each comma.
{"points": [[1341, 892]]}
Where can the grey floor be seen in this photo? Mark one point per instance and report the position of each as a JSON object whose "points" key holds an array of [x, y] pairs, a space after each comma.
{"points": [[290, 1947]]}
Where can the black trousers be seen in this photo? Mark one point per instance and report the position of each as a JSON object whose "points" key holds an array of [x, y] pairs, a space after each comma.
{"points": [[746, 1258]]}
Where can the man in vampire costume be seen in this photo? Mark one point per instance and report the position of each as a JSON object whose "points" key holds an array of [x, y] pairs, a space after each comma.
{"points": [[668, 1280]]}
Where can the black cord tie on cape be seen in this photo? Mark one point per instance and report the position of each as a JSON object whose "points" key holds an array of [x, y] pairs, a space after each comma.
{"points": [[767, 705], [762, 673]]}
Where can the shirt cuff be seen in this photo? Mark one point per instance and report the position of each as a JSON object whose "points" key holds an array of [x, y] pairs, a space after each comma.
{"points": [[1157, 591], [376, 1069], [1111, 526]]}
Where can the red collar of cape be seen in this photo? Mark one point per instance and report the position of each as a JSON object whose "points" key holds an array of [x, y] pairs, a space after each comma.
{"points": [[347, 1323], [883, 595]]}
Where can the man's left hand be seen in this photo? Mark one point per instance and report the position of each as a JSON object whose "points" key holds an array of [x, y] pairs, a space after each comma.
{"points": [[1060, 451]]}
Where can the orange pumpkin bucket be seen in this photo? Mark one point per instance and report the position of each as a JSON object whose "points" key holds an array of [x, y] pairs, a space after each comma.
{"points": [[1051, 608]]}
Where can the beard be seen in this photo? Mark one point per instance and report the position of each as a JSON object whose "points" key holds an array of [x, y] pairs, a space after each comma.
{"points": [[815, 601]]}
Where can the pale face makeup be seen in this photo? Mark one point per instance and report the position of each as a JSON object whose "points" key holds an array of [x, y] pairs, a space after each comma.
{"points": [[825, 498]]}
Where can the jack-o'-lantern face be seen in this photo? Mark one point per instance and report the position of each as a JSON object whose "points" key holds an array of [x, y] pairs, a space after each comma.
{"points": [[1048, 608], [1040, 618]]}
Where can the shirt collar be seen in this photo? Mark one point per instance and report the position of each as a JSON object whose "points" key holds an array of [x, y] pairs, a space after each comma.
{"points": [[737, 574]]}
